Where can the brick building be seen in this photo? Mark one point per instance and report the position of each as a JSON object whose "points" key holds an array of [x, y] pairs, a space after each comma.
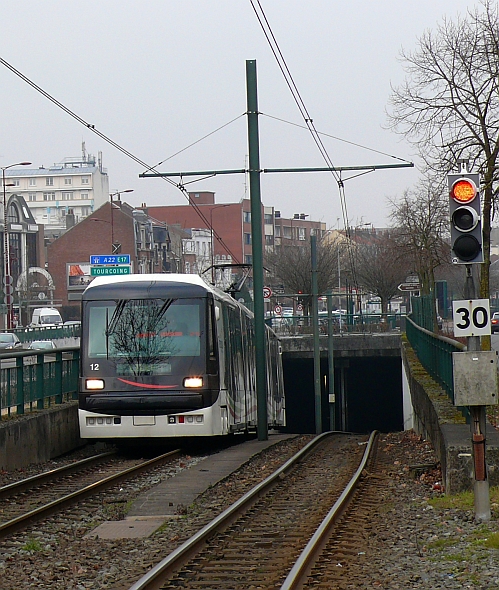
{"points": [[231, 224], [117, 227]]}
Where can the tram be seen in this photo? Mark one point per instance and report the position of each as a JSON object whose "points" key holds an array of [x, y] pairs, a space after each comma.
{"points": [[169, 355]]}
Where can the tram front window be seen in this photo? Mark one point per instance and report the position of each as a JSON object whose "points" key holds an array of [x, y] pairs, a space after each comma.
{"points": [[145, 336]]}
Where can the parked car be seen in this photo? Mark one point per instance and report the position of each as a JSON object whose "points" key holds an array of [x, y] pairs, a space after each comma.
{"points": [[42, 345], [8, 341], [495, 322]]}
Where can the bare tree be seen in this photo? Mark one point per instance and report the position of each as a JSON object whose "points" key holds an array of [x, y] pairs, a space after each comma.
{"points": [[448, 106], [380, 267], [292, 265], [421, 221]]}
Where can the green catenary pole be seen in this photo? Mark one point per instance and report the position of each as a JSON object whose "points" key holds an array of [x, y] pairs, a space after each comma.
{"points": [[330, 359], [257, 253], [317, 351]]}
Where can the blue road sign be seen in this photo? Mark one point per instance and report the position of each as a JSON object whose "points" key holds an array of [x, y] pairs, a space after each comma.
{"points": [[110, 259]]}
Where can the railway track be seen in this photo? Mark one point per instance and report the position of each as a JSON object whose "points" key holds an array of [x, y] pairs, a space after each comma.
{"points": [[262, 540], [29, 500]]}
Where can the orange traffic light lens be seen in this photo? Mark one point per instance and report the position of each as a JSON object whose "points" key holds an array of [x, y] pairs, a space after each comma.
{"points": [[463, 191]]}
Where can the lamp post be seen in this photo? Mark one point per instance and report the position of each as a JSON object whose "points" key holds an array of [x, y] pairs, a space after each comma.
{"points": [[7, 278], [128, 190], [212, 244]]}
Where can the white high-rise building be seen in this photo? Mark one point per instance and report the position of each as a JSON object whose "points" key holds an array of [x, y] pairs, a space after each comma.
{"points": [[63, 194]]}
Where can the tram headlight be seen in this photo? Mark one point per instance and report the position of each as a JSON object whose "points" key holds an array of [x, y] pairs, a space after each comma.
{"points": [[193, 382], [94, 384]]}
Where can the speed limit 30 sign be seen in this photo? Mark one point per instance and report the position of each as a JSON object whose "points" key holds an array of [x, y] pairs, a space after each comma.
{"points": [[471, 317]]}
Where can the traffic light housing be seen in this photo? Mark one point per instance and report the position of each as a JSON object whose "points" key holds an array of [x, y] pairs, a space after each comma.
{"points": [[465, 218]]}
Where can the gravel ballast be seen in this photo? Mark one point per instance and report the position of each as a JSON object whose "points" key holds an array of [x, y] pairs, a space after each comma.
{"points": [[412, 544]]}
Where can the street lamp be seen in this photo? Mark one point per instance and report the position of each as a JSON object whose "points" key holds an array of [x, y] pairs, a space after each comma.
{"points": [[128, 190], [7, 278], [212, 245]]}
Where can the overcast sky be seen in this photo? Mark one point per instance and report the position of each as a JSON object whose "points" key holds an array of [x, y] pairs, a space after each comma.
{"points": [[157, 75]]}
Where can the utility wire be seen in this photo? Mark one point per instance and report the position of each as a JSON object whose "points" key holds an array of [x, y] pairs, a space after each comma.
{"points": [[337, 138], [120, 148], [199, 140]]}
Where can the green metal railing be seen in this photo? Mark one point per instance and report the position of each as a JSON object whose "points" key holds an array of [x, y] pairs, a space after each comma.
{"points": [[347, 323], [423, 311], [48, 333], [34, 380], [434, 353]]}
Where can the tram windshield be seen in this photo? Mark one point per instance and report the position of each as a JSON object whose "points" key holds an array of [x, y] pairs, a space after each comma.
{"points": [[144, 336]]}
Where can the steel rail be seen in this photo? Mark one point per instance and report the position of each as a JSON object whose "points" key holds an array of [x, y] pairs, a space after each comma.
{"points": [[297, 575], [154, 578], [22, 521], [17, 487]]}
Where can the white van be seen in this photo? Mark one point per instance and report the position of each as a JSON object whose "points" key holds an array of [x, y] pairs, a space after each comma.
{"points": [[45, 316]]}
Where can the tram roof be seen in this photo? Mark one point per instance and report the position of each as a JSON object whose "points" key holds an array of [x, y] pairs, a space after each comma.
{"points": [[136, 285]]}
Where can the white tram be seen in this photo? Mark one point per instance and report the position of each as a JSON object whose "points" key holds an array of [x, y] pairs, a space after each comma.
{"points": [[168, 355]]}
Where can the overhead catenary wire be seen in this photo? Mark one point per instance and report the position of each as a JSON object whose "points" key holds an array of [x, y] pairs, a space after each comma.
{"points": [[120, 148], [281, 62]]}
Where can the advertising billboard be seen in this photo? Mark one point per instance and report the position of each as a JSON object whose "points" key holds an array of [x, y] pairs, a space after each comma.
{"points": [[78, 275]]}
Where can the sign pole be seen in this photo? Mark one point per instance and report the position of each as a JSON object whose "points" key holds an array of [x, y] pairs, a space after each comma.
{"points": [[478, 426]]}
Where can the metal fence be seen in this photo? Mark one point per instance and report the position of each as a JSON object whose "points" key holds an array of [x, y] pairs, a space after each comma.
{"points": [[434, 353], [34, 380], [47, 333], [344, 323]]}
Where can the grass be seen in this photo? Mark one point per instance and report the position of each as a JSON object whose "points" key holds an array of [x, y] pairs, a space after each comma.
{"points": [[469, 546], [492, 541], [32, 545], [465, 501], [486, 538], [442, 543], [117, 510]]}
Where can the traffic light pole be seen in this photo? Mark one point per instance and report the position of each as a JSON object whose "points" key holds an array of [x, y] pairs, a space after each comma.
{"points": [[478, 426]]}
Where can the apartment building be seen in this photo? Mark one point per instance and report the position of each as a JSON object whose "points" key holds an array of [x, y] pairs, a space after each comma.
{"points": [[295, 231], [230, 224], [63, 194]]}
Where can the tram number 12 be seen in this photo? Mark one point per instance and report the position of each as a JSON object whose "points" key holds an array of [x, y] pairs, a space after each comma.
{"points": [[471, 318]]}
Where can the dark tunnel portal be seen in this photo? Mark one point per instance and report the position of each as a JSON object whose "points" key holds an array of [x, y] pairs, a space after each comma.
{"points": [[368, 393]]}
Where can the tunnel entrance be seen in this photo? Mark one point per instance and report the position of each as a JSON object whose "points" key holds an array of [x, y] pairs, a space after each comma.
{"points": [[368, 395]]}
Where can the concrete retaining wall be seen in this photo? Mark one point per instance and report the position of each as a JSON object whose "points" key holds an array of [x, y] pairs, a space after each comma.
{"points": [[437, 420], [39, 436]]}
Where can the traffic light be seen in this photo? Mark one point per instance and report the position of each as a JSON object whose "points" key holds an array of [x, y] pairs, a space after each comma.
{"points": [[465, 218]]}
